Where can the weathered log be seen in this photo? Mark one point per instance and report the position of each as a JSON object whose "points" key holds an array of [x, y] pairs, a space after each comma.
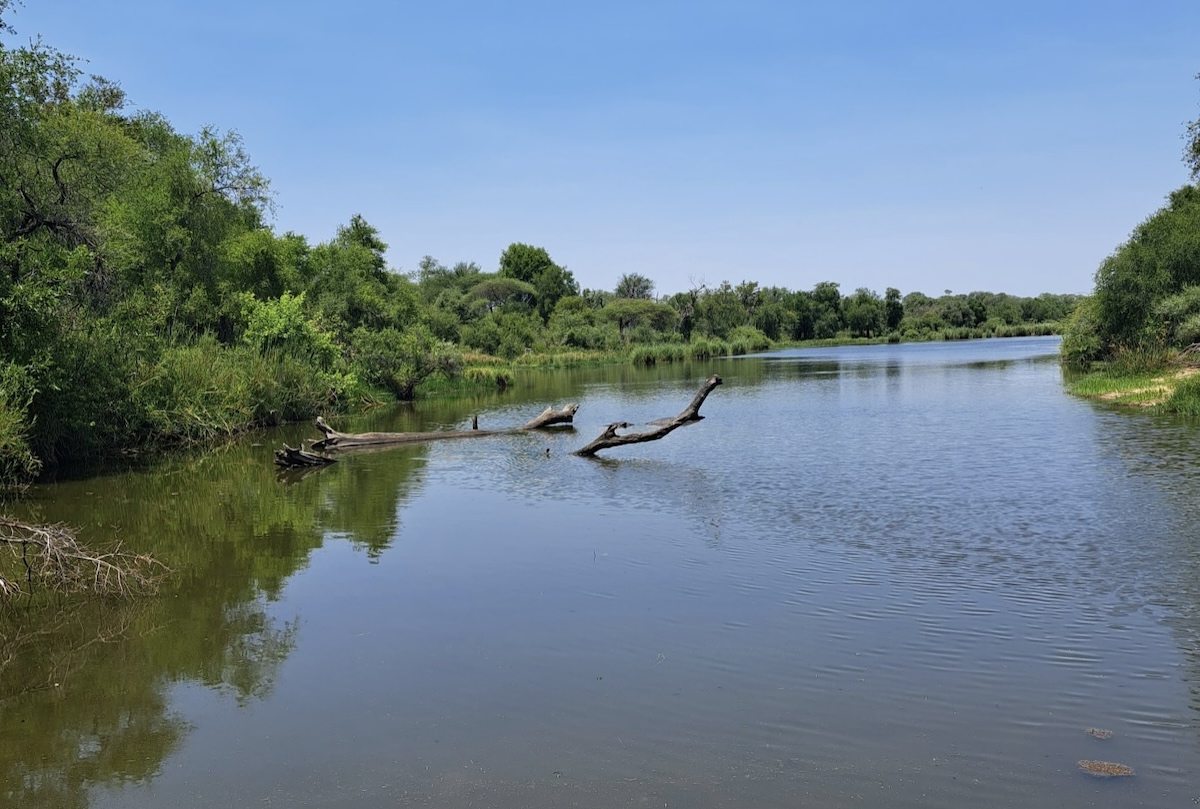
{"points": [[335, 440], [293, 457], [609, 437]]}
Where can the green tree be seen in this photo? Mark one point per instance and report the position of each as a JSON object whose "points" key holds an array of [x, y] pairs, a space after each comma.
{"points": [[893, 309], [533, 265], [629, 313], [352, 286], [865, 313], [634, 285], [828, 318], [1161, 258]]}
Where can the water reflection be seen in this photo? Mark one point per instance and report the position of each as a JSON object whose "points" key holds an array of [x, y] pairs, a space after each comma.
{"points": [[84, 687]]}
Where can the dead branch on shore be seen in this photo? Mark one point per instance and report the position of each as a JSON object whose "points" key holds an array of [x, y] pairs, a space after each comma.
{"points": [[609, 438], [53, 556]]}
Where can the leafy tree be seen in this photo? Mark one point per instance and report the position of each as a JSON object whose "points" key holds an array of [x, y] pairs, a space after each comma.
{"points": [[634, 285], [828, 317], [352, 287], [977, 303], [772, 316], [399, 361], [893, 309], [719, 311], [1161, 258], [865, 313], [497, 290], [629, 313], [533, 265], [803, 308]]}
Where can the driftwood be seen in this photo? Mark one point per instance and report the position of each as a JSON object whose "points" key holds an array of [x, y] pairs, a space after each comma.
{"points": [[298, 458], [609, 438], [335, 440], [293, 458]]}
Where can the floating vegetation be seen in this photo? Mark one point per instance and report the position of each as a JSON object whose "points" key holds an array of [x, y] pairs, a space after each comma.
{"points": [[1104, 769], [1098, 733]]}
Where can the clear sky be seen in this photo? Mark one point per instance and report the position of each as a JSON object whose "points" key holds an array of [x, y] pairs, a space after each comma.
{"points": [[924, 145]]}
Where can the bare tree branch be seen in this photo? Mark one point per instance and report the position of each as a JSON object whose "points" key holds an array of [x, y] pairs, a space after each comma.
{"points": [[609, 438], [52, 556]]}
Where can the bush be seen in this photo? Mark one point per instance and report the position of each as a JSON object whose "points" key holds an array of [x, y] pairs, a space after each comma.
{"points": [[399, 361], [1081, 344], [17, 462], [745, 339]]}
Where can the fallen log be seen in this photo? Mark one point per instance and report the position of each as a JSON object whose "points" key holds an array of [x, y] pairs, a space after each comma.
{"points": [[293, 457], [333, 439], [609, 438], [290, 457]]}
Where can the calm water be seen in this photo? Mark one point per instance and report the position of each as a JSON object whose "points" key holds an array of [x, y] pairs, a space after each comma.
{"points": [[880, 576]]}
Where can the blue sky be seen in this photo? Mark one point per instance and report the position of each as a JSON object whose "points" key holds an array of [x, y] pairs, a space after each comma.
{"points": [[922, 145]]}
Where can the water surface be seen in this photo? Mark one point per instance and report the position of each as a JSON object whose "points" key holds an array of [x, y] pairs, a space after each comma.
{"points": [[874, 576]]}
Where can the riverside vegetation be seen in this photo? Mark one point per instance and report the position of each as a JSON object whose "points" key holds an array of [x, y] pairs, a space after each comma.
{"points": [[146, 301], [1136, 339]]}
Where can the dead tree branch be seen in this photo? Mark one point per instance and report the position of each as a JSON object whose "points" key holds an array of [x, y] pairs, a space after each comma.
{"points": [[609, 438], [53, 556]]}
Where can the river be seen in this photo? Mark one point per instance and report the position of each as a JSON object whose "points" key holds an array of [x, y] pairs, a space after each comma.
{"points": [[891, 576]]}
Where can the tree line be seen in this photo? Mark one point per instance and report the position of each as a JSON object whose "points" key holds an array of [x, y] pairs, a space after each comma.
{"points": [[145, 298]]}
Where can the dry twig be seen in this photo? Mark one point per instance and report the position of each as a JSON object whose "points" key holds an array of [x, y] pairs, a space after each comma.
{"points": [[53, 556]]}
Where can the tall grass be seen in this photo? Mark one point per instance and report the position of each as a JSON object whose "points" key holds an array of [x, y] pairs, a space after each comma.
{"points": [[203, 391], [1185, 399]]}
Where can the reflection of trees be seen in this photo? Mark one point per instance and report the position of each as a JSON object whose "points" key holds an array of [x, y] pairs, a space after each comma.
{"points": [[362, 503], [74, 712], [84, 685], [1159, 453]]}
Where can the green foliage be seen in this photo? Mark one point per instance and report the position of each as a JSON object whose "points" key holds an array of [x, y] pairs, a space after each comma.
{"points": [[399, 361], [17, 462], [576, 324], [280, 325], [1137, 360], [718, 311], [204, 390], [631, 313], [497, 291], [634, 285], [747, 339], [865, 313], [893, 309], [1179, 316], [1185, 399], [1081, 343], [1160, 260], [533, 266]]}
